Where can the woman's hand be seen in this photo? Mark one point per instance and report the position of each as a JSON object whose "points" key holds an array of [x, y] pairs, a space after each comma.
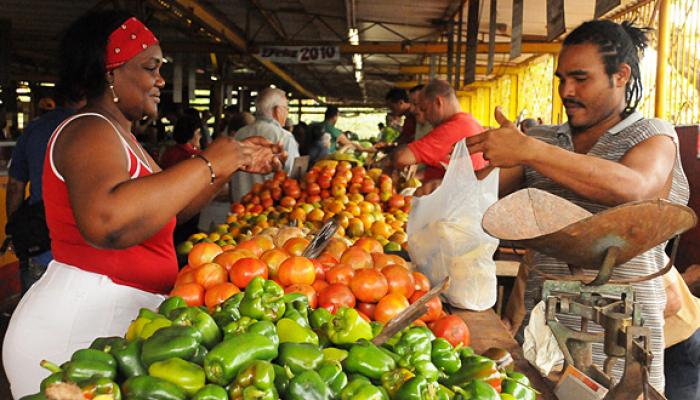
{"points": [[262, 156]]}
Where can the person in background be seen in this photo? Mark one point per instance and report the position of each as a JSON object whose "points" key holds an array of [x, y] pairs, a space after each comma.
{"points": [[187, 134], [681, 339], [441, 107], [607, 154], [527, 124], [238, 121], [272, 108], [46, 104], [335, 137], [400, 106], [26, 168], [110, 210], [380, 128], [422, 125]]}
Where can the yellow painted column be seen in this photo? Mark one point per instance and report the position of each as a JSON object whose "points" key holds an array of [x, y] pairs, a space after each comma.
{"points": [[662, 53], [513, 97], [557, 114]]}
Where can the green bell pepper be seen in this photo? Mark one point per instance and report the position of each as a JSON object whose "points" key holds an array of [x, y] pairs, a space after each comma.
{"points": [[377, 328], [101, 386], [347, 327], [476, 368], [332, 373], [170, 304], [146, 324], [466, 352], [211, 392], [299, 356], [319, 317], [106, 343], [308, 385], [239, 326], [35, 396], [199, 354], [393, 380], [94, 355], [444, 356], [228, 311], [334, 354], [506, 396], [204, 324], [443, 393], [518, 385], [228, 357], [427, 369], [151, 388], [128, 357], [367, 359], [417, 388], [362, 389], [256, 380], [282, 377], [414, 345], [267, 329], [263, 299], [188, 376], [173, 341], [297, 308], [55, 377], [81, 371], [291, 331], [476, 390]]}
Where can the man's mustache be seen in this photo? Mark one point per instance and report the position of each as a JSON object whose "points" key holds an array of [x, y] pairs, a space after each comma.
{"points": [[574, 102]]}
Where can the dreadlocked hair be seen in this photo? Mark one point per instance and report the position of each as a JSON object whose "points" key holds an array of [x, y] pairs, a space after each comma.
{"points": [[617, 44]]}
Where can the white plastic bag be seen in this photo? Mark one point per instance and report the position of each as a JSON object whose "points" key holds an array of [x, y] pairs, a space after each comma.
{"points": [[445, 235]]}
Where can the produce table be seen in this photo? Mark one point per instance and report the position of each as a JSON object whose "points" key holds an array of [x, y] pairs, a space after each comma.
{"points": [[494, 334]]}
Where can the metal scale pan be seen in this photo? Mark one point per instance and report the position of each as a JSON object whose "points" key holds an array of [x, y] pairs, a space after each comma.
{"points": [[558, 228]]}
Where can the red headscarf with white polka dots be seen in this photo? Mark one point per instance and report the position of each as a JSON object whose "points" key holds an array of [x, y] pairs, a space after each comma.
{"points": [[128, 40]]}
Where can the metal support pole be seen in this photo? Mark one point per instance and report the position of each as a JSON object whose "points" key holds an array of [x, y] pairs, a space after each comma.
{"points": [[450, 49], [664, 41], [458, 66]]}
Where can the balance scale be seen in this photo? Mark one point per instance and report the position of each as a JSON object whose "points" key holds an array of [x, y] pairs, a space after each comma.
{"points": [[560, 229]]}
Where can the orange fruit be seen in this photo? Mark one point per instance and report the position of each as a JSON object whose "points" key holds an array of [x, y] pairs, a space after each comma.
{"points": [[202, 253]]}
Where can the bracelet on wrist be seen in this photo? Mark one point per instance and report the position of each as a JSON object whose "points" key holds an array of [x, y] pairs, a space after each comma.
{"points": [[211, 168]]}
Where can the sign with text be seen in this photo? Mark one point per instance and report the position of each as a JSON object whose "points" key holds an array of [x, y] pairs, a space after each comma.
{"points": [[300, 54]]}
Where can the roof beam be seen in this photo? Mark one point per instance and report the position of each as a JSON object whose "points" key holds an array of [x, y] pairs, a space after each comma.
{"points": [[441, 48], [223, 29], [442, 69]]}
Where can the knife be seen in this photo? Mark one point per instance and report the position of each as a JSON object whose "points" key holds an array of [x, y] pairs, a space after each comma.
{"points": [[410, 314]]}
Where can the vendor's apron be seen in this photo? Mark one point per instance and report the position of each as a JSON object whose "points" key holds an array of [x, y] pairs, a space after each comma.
{"points": [[62, 312]]}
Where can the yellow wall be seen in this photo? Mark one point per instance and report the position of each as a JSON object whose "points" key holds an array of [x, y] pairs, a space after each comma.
{"points": [[8, 257]]}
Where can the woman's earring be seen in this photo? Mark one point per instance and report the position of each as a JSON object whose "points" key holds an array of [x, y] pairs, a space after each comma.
{"points": [[114, 95]]}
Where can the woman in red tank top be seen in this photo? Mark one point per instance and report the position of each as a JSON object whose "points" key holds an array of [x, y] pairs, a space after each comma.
{"points": [[110, 210]]}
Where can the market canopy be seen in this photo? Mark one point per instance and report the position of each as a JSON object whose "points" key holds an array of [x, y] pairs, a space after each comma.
{"points": [[349, 51]]}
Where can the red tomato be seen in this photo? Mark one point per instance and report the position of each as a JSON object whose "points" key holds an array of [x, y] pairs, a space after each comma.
{"points": [[306, 290], [341, 273], [453, 329], [274, 258], [192, 293], [202, 253], [210, 274], [400, 280], [335, 296], [245, 269], [434, 306], [229, 257], [367, 309], [389, 306], [319, 269], [296, 270], [319, 285], [369, 285], [364, 316], [184, 277], [422, 281], [217, 294]]}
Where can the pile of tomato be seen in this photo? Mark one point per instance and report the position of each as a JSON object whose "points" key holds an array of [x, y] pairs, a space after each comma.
{"points": [[359, 276]]}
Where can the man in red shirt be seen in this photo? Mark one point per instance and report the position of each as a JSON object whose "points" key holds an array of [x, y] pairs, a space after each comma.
{"points": [[439, 103]]}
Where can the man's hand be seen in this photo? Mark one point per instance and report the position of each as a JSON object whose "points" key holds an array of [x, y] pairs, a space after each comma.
{"points": [[428, 187], [506, 146], [262, 156]]}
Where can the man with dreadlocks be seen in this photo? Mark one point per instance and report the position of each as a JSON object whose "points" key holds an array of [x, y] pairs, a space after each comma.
{"points": [[606, 154]]}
